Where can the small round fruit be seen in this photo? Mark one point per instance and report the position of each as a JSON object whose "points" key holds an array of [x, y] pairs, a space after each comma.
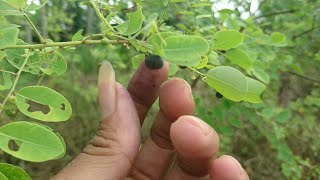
{"points": [[12, 99], [154, 62], [218, 95]]}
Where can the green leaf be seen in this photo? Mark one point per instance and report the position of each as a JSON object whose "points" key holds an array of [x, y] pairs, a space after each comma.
{"points": [[134, 22], [185, 50], [8, 37], [17, 3], [277, 38], [11, 172], [136, 60], [261, 75], [173, 69], [55, 63], [78, 36], [284, 116], [34, 7], [213, 58], [2, 55], [9, 26], [7, 83], [6, 9], [224, 40], [34, 142], [43, 103], [229, 82], [255, 88], [203, 63], [239, 57]]}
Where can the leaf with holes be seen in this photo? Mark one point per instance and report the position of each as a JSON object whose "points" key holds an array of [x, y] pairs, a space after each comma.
{"points": [[134, 22], [30, 142], [185, 50], [224, 40], [11, 172], [43, 103], [228, 81], [239, 57], [255, 88]]}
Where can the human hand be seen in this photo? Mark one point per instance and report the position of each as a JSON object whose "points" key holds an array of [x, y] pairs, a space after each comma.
{"points": [[180, 146]]}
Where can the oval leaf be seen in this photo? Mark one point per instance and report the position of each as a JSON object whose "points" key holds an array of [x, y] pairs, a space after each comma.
{"points": [[43, 103], [229, 82], [224, 40], [9, 37], [255, 88], [239, 57], [185, 50], [11, 172], [136, 60], [134, 22], [33, 142]]}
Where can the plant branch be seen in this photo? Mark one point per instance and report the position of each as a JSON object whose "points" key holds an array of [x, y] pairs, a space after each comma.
{"points": [[165, 10], [102, 18], [276, 13], [63, 44], [15, 81], [33, 27], [303, 77]]}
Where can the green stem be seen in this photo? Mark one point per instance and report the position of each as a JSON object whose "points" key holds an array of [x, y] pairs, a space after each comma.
{"points": [[165, 10], [15, 81], [1, 70], [102, 18], [63, 44], [33, 27], [198, 72]]}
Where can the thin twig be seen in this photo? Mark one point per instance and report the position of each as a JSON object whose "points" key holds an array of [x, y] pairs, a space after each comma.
{"points": [[15, 81], [276, 13], [165, 10], [304, 77], [102, 18], [33, 27], [63, 44]]}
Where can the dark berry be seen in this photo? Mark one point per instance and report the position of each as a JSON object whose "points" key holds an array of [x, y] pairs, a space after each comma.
{"points": [[154, 62], [218, 95]]}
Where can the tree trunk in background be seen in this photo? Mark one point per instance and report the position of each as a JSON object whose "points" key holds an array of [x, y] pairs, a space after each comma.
{"points": [[90, 14], [43, 22]]}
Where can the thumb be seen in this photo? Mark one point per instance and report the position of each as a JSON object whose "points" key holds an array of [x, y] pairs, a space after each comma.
{"points": [[111, 152]]}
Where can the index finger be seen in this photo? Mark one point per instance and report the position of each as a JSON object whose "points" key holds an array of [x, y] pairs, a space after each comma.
{"points": [[144, 87]]}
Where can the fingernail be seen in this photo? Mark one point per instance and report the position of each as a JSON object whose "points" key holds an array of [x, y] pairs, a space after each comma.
{"points": [[199, 124], [234, 161], [107, 91]]}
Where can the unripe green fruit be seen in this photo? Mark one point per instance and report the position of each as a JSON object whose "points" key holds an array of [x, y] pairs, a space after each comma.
{"points": [[218, 95], [12, 99], [154, 62]]}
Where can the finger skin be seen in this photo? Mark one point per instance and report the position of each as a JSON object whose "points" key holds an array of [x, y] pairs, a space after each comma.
{"points": [[144, 87], [112, 151], [227, 168], [196, 144], [156, 155]]}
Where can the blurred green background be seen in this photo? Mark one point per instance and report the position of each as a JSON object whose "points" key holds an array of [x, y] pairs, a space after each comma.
{"points": [[279, 139]]}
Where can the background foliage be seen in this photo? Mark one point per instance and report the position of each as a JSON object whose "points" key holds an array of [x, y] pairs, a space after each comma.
{"points": [[276, 139]]}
